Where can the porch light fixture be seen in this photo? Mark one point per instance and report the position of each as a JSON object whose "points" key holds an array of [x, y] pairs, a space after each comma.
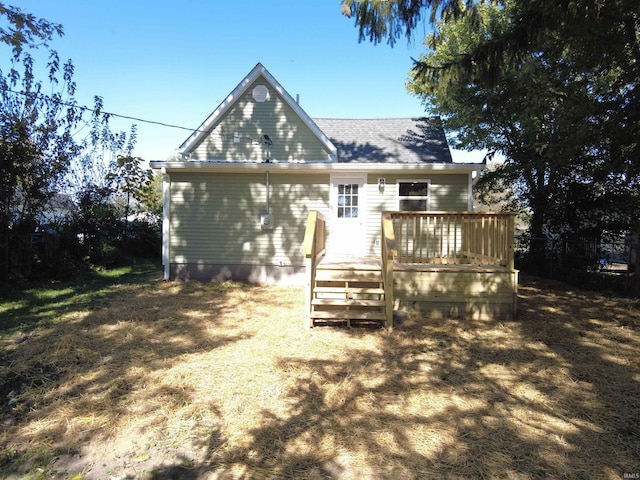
{"points": [[381, 184]]}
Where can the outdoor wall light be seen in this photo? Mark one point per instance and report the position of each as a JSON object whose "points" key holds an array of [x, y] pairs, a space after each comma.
{"points": [[381, 184]]}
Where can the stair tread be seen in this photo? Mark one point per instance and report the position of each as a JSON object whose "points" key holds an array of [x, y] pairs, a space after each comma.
{"points": [[348, 302], [349, 271], [342, 289], [351, 314], [336, 275], [348, 268]]}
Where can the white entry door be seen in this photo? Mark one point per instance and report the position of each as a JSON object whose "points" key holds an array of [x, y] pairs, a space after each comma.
{"points": [[348, 215]]}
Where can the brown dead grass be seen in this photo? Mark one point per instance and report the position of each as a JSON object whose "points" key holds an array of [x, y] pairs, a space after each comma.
{"points": [[170, 380]]}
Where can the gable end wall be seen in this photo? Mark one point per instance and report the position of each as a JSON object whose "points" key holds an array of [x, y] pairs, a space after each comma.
{"points": [[248, 120]]}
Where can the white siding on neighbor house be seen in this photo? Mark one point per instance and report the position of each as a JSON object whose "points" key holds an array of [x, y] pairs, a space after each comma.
{"points": [[248, 120], [215, 218]]}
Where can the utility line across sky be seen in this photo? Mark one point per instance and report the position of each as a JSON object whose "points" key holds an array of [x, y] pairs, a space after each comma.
{"points": [[103, 112]]}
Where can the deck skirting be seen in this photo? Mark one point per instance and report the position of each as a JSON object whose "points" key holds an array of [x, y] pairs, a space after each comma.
{"points": [[445, 291]]}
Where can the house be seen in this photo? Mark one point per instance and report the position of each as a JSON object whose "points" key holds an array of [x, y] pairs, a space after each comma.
{"points": [[259, 175]]}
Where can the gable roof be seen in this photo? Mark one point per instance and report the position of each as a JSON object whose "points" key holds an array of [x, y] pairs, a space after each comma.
{"points": [[212, 120], [388, 140]]}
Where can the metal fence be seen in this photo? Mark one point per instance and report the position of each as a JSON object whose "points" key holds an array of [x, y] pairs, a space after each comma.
{"points": [[589, 262]]}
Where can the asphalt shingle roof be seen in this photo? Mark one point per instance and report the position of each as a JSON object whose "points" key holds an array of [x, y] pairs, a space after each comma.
{"points": [[387, 140]]}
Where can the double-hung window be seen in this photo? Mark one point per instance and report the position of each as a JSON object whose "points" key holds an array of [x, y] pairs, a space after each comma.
{"points": [[413, 195]]}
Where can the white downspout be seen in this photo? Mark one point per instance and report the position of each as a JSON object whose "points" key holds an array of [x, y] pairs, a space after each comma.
{"points": [[472, 183], [166, 203], [267, 185]]}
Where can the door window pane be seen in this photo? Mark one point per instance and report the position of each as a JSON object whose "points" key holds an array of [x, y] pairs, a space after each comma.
{"points": [[348, 200]]}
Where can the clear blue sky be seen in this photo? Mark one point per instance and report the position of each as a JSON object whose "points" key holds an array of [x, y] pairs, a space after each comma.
{"points": [[174, 62]]}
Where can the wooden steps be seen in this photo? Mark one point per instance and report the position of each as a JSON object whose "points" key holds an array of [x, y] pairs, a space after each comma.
{"points": [[348, 294]]}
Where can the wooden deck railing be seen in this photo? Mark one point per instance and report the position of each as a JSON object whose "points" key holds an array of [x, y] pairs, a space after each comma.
{"points": [[313, 249], [452, 238], [388, 253]]}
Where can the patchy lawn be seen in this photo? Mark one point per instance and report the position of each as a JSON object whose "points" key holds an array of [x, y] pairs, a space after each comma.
{"points": [[132, 377]]}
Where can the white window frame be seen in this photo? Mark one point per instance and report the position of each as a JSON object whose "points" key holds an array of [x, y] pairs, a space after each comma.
{"points": [[414, 180]]}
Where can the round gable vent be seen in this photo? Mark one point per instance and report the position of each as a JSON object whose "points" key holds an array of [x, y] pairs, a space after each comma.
{"points": [[260, 93]]}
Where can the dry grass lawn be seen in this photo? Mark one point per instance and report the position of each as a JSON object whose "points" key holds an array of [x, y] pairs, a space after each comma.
{"points": [[173, 380]]}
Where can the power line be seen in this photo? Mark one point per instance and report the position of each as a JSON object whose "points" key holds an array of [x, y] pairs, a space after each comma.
{"points": [[128, 117], [117, 115]]}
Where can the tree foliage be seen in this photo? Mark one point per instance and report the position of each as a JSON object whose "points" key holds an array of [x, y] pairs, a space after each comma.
{"points": [[36, 141], [551, 85], [113, 190], [378, 20], [42, 165]]}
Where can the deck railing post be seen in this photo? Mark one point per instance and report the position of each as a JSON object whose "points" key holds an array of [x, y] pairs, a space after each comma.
{"points": [[511, 240], [388, 252]]}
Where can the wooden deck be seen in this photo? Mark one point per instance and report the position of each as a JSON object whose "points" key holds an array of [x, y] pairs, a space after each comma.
{"points": [[441, 270], [478, 292]]}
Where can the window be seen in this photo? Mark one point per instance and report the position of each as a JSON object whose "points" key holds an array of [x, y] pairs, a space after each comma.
{"points": [[413, 195], [348, 200]]}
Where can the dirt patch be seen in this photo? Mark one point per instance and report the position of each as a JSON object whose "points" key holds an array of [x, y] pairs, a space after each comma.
{"points": [[170, 380]]}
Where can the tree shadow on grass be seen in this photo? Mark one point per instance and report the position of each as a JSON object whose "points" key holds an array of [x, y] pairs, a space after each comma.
{"points": [[553, 394], [42, 304], [100, 365]]}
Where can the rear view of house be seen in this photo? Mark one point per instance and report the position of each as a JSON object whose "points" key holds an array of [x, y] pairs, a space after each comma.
{"points": [[236, 206]]}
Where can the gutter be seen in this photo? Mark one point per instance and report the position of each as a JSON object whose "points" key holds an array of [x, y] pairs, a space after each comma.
{"points": [[316, 167]]}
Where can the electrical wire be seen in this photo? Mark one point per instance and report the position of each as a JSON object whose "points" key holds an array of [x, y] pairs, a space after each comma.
{"points": [[128, 117], [109, 114]]}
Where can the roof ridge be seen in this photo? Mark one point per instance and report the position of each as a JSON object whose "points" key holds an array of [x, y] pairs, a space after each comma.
{"points": [[376, 118]]}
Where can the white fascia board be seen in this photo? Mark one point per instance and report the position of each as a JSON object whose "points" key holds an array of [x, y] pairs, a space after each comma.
{"points": [[206, 126], [295, 106], [319, 167], [211, 121]]}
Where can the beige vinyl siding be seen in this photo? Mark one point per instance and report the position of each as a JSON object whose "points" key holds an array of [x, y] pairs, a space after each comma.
{"points": [[250, 120], [448, 192], [215, 218]]}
